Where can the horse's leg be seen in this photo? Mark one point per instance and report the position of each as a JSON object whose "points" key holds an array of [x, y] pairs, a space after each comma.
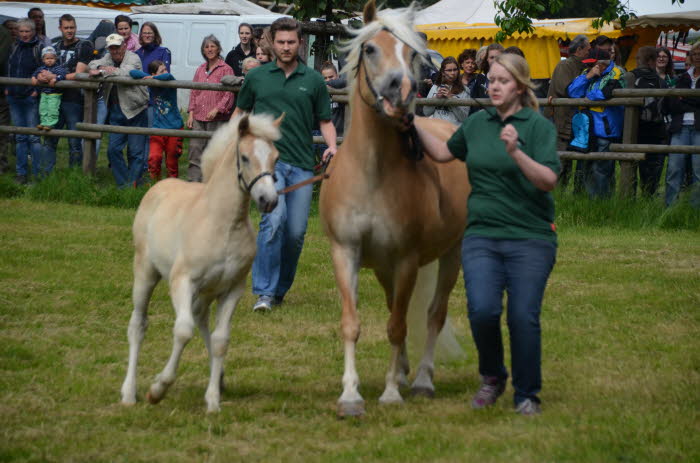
{"points": [[437, 313], [146, 277], [346, 266], [219, 344], [201, 314], [182, 294], [404, 280], [385, 278]]}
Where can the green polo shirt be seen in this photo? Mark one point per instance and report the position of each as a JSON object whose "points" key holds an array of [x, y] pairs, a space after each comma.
{"points": [[504, 203], [302, 96]]}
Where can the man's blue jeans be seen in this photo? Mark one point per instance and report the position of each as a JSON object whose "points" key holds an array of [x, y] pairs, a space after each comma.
{"points": [[24, 112], [71, 114], [130, 172], [676, 169], [281, 234], [600, 175], [521, 268], [101, 119]]}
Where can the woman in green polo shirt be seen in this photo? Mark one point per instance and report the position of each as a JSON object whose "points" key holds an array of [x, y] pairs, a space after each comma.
{"points": [[510, 242]]}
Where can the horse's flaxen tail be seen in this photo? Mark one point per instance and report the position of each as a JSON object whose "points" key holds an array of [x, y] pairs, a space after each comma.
{"points": [[447, 348]]}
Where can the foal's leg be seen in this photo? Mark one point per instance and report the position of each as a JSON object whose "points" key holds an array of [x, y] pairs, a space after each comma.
{"points": [[404, 281], [201, 312], [437, 313], [146, 277], [182, 294], [219, 344], [346, 266]]}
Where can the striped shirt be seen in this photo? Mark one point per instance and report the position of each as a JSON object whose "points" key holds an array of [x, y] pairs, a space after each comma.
{"points": [[203, 101]]}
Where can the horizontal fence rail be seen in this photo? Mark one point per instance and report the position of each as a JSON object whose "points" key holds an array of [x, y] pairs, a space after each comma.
{"points": [[627, 152]]}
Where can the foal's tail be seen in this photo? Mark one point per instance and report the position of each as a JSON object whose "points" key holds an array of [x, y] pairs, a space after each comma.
{"points": [[447, 347]]}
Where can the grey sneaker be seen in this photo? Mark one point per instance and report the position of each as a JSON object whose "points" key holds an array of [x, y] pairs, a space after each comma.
{"points": [[491, 389], [528, 407], [263, 304]]}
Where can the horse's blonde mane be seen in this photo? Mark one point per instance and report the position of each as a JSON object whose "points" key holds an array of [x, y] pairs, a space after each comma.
{"points": [[224, 140], [399, 21]]}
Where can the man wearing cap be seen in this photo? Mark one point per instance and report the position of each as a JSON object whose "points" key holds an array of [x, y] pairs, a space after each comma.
{"points": [[125, 107], [598, 83], [73, 54], [565, 72]]}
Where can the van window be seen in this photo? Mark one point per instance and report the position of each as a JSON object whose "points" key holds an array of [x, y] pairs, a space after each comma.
{"points": [[197, 33], [172, 34]]}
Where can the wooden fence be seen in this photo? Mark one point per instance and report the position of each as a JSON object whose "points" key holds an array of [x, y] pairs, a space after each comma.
{"points": [[627, 152]]}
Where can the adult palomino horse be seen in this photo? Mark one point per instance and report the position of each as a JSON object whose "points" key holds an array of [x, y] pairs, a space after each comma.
{"points": [[198, 236], [384, 210]]}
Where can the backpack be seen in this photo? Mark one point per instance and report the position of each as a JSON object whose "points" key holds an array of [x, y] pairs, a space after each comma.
{"points": [[651, 111]]}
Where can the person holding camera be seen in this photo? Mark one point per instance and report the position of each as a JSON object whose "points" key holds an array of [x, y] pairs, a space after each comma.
{"points": [[448, 85]]}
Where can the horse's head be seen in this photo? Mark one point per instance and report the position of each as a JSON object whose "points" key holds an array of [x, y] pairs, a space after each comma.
{"points": [[387, 53], [256, 158]]}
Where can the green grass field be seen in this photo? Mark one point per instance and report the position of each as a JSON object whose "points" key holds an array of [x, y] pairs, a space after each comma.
{"points": [[621, 351]]}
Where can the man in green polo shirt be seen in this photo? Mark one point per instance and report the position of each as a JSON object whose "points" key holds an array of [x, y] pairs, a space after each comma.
{"points": [[286, 86]]}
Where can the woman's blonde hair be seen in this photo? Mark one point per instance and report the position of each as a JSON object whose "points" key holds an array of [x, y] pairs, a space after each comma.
{"points": [[519, 69]]}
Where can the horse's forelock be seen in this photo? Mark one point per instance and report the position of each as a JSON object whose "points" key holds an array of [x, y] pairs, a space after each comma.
{"points": [[399, 21], [226, 138]]}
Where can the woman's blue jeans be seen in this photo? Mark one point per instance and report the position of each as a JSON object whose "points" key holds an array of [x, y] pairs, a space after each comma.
{"points": [[281, 234], [676, 168], [24, 112], [521, 269]]}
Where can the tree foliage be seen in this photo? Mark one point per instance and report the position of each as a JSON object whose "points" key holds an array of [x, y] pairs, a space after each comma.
{"points": [[515, 15]]}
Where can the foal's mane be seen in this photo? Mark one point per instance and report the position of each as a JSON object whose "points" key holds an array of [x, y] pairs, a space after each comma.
{"points": [[399, 21], [224, 140]]}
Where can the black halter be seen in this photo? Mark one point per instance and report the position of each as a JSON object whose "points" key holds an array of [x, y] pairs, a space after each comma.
{"points": [[241, 181], [415, 147]]}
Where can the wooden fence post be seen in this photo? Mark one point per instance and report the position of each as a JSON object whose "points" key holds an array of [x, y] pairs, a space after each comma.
{"points": [[89, 145], [628, 169]]}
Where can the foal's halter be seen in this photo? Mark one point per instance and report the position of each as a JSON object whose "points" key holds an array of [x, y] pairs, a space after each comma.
{"points": [[241, 180]]}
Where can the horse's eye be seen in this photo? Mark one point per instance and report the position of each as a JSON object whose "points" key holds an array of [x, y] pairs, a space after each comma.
{"points": [[369, 49], [245, 159]]}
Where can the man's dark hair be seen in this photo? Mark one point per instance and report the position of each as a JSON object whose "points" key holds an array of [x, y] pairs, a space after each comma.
{"points": [[68, 18], [647, 55], [285, 24], [603, 40]]}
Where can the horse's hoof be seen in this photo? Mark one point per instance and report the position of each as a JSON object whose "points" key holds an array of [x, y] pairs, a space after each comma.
{"points": [[213, 408], [391, 399], [350, 409], [152, 399], [128, 403], [422, 392]]}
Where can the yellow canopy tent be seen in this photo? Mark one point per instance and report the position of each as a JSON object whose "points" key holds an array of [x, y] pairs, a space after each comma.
{"points": [[541, 47]]}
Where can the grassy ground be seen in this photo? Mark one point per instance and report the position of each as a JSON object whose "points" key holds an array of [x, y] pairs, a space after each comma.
{"points": [[621, 356]]}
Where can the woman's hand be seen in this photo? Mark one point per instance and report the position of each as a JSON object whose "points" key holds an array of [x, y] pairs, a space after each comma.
{"points": [[212, 114], [442, 92], [510, 137], [190, 121]]}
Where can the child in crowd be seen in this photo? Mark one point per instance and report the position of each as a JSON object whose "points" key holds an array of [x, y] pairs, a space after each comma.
{"points": [[50, 101], [249, 63], [166, 116]]}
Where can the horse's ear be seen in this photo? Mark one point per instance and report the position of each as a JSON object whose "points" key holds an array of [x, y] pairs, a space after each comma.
{"points": [[278, 121], [370, 11], [243, 126]]}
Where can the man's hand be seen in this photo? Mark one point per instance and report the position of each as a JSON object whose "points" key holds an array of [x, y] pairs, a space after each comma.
{"points": [[212, 114], [328, 154], [94, 73]]}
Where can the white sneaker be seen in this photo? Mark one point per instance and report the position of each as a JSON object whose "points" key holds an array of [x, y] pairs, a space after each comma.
{"points": [[263, 304]]}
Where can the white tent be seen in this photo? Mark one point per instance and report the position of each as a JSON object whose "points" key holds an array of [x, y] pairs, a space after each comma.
{"points": [[234, 7], [466, 11]]}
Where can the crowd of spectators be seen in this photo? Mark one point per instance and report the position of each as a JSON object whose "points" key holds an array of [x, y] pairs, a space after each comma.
{"points": [[592, 70]]}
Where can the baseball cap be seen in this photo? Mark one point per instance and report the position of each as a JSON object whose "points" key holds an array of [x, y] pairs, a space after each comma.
{"points": [[48, 51], [596, 54], [114, 40]]}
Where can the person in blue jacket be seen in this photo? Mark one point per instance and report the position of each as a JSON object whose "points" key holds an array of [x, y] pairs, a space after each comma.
{"points": [[165, 116], [597, 83]]}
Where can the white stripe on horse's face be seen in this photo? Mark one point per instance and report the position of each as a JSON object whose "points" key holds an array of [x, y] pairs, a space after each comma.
{"points": [[262, 151]]}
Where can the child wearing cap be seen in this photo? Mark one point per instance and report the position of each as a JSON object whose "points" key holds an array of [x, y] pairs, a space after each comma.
{"points": [[50, 101]]}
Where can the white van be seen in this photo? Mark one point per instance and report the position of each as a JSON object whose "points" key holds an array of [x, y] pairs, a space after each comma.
{"points": [[182, 34], [86, 18]]}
